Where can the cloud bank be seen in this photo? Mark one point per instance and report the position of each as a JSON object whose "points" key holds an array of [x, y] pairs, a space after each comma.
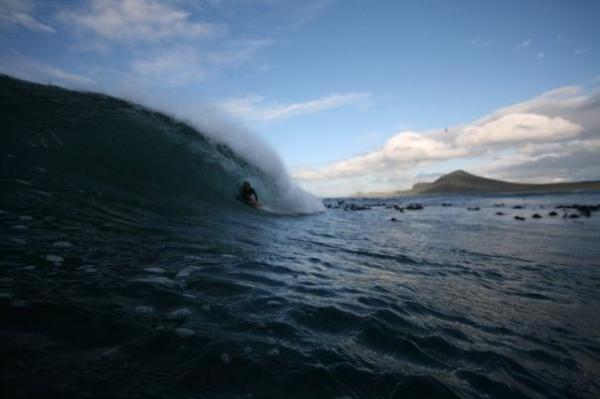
{"points": [[137, 20], [19, 14], [254, 107], [549, 134]]}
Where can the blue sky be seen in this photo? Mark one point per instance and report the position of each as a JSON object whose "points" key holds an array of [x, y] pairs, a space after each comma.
{"points": [[353, 95]]}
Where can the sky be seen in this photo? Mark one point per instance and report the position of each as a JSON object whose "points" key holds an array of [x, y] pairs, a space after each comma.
{"points": [[354, 96]]}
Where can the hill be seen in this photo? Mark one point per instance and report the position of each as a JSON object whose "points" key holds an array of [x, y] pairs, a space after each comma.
{"points": [[461, 182]]}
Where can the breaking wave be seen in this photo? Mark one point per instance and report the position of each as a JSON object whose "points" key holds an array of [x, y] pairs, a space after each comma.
{"points": [[96, 142]]}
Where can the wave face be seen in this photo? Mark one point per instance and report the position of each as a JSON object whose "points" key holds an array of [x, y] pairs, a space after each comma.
{"points": [[96, 142]]}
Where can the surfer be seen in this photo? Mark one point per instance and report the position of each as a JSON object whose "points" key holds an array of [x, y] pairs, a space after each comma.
{"points": [[249, 195]]}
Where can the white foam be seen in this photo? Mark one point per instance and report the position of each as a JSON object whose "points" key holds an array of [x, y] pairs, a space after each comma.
{"points": [[57, 260], [44, 193], [87, 269], [110, 352], [179, 314], [273, 352], [156, 280], [19, 303], [24, 182], [7, 281], [59, 141], [186, 271], [26, 218], [19, 227], [206, 307], [144, 309]]}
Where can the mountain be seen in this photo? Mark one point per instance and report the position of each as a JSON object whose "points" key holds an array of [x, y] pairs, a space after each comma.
{"points": [[461, 182]]}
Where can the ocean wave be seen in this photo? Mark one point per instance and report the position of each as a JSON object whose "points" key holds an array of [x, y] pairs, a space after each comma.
{"points": [[57, 140]]}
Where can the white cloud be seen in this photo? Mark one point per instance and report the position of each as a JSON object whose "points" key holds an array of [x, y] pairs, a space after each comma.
{"points": [[557, 125], [518, 127], [137, 21], [477, 42], [254, 107], [180, 65], [311, 11], [19, 14], [172, 67], [403, 150], [541, 55], [525, 43], [580, 51]]}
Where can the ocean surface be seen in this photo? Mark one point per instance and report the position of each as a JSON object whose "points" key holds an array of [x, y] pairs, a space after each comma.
{"points": [[129, 269]]}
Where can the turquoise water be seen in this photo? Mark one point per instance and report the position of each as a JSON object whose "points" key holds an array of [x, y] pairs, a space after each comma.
{"points": [[129, 269]]}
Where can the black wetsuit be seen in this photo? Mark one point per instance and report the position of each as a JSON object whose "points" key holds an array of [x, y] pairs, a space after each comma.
{"points": [[249, 195]]}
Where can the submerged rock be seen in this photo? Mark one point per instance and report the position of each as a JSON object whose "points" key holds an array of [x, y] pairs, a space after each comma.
{"points": [[415, 207], [536, 216], [553, 214], [519, 217], [355, 207], [473, 208], [518, 207], [584, 210], [500, 213]]}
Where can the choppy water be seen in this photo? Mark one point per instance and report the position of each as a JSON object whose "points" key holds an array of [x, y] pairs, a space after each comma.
{"points": [[117, 293]]}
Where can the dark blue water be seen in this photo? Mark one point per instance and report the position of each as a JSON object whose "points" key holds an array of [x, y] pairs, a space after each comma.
{"points": [[118, 281]]}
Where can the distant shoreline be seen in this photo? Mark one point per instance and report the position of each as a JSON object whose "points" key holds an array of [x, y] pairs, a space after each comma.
{"points": [[463, 183]]}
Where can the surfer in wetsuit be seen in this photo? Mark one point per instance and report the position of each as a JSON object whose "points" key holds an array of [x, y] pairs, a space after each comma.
{"points": [[249, 195]]}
